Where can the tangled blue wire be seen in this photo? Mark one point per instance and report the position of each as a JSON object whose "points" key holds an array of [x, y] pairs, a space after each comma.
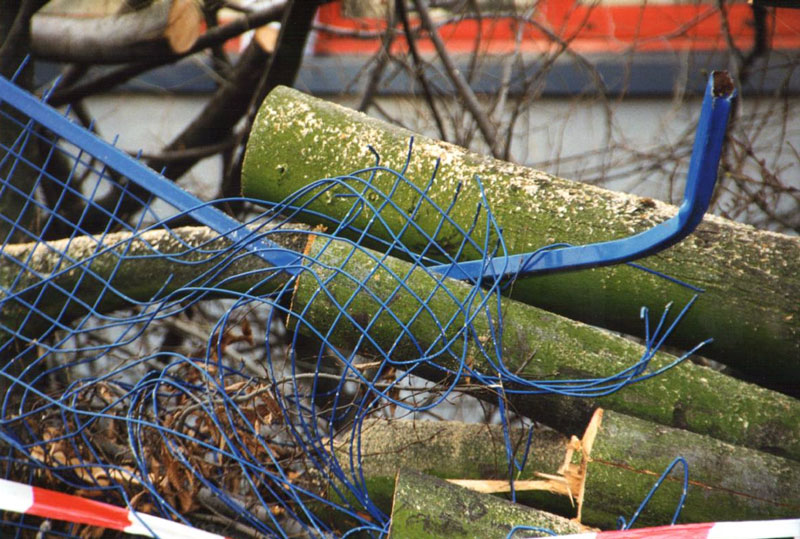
{"points": [[166, 368]]}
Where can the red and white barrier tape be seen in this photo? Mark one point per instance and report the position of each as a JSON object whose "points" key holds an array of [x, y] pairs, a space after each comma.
{"points": [[20, 498], [45, 503], [748, 529]]}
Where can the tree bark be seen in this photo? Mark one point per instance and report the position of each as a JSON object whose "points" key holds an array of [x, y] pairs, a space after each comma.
{"points": [[609, 471], [726, 482], [536, 345], [426, 506], [750, 306], [463, 451], [92, 32], [124, 269]]}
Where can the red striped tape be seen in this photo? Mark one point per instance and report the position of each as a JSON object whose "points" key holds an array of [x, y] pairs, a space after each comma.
{"points": [[749, 529], [46, 503], [20, 498]]}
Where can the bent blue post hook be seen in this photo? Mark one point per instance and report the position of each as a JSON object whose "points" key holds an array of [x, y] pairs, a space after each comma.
{"points": [[702, 177], [136, 172]]}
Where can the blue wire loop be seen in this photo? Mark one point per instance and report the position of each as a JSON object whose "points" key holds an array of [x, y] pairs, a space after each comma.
{"points": [[702, 177]]}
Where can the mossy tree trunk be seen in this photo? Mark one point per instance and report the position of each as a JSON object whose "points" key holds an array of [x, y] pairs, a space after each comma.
{"points": [[536, 345], [752, 302], [119, 271], [726, 482], [427, 507]]}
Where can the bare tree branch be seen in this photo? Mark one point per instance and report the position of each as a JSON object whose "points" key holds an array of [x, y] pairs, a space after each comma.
{"points": [[282, 69], [419, 69], [486, 127], [14, 33], [382, 58]]}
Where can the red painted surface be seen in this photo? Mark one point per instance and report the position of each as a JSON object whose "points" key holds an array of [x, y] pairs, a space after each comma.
{"points": [[58, 506], [586, 27]]}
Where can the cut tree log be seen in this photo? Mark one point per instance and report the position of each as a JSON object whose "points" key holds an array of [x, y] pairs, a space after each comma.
{"points": [[537, 345], [426, 506], [119, 270], [101, 31], [623, 456], [610, 470], [472, 453], [751, 306]]}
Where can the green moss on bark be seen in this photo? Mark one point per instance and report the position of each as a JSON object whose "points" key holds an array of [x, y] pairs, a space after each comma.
{"points": [[752, 302], [536, 344], [727, 482], [427, 507]]}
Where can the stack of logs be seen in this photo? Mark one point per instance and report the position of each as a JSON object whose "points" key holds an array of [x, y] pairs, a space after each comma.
{"points": [[741, 440], [596, 458]]}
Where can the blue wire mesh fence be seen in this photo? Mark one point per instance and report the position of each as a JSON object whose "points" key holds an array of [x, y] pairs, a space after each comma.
{"points": [[165, 366]]}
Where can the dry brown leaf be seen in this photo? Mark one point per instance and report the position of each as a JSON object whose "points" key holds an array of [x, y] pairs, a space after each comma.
{"points": [[186, 501], [173, 475], [134, 500]]}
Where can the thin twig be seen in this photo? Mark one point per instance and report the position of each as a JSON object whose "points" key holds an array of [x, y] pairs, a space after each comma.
{"points": [[486, 127], [419, 67], [380, 65], [193, 154]]}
